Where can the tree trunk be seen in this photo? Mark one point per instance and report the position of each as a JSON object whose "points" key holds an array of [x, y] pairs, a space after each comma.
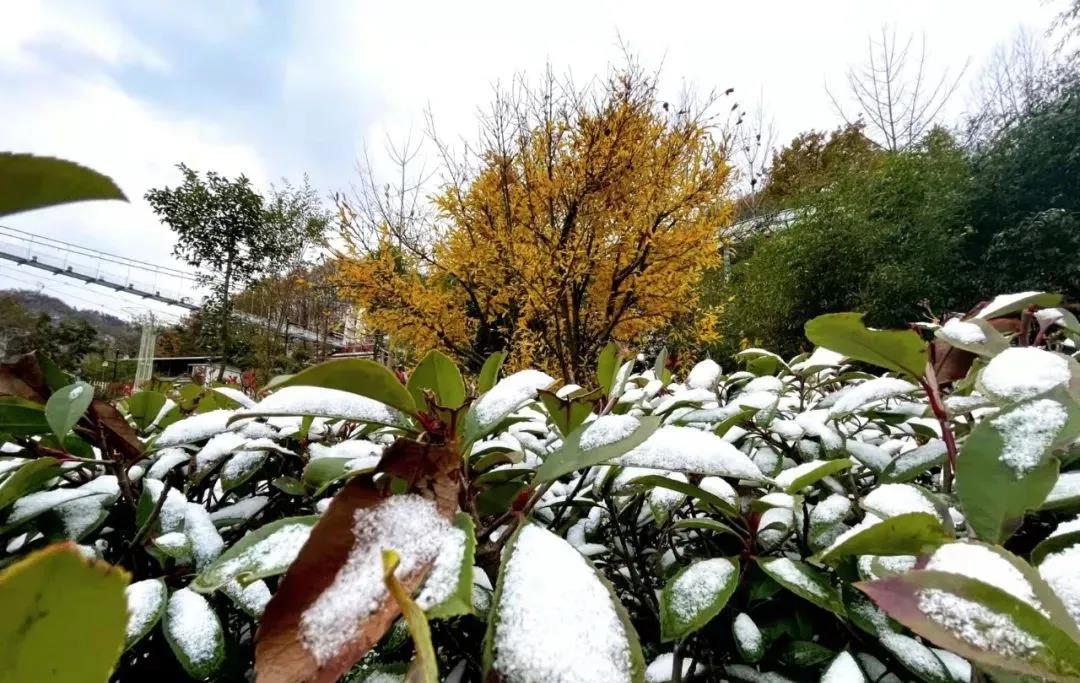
{"points": [[226, 309]]}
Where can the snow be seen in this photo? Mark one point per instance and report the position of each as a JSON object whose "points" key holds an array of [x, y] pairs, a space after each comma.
{"points": [[788, 476], [915, 656], [704, 375], [242, 464], [793, 574], [322, 402], [607, 429], [9, 464], [699, 396], [193, 626], [813, 423], [689, 450], [721, 489], [766, 383], [1023, 372], [869, 391], [144, 601], [276, 551], [216, 449], [252, 598], [831, 510], [406, 523], [352, 448], [508, 395], [868, 454], [167, 459], [918, 459], [659, 670], [889, 500], [1028, 431], [1049, 316], [956, 330], [1065, 488], [235, 395], [441, 583], [786, 429], [959, 668], [244, 509], [80, 516], [194, 428], [979, 562], [1060, 571], [206, 542], [34, 504], [556, 620], [747, 635], [1001, 303], [76, 392], [976, 624], [1071, 526], [843, 669], [820, 358], [171, 517]]}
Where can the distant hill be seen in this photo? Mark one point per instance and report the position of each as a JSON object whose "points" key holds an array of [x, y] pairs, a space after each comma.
{"points": [[109, 327]]}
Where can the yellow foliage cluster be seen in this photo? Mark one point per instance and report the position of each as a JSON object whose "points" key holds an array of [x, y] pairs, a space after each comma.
{"points": [[589, 218]]}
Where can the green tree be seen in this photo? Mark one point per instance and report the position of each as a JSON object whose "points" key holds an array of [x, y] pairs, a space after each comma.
{"points": [[225, 226], [879, 237], [1025, 202]]}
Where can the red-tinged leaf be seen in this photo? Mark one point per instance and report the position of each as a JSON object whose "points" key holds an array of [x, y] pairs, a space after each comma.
{"points": [[23, 378], [120, 438], [1015, 637]]}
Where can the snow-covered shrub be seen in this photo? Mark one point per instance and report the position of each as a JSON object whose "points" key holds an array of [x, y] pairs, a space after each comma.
{"points": [[782, 519]]}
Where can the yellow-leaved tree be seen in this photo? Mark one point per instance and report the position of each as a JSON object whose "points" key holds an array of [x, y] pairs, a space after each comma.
{"points": [[583, 215]]}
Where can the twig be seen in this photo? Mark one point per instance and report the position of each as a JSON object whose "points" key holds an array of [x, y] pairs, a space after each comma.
{"points": [[145, 528]]}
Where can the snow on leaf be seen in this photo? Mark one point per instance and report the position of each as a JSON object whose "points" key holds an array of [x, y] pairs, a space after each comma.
{"points": [[194, 633], [145, 604], [194, 428], [1024, 372], [554, 619], [870, 391], [691, 451], [322, 402]]}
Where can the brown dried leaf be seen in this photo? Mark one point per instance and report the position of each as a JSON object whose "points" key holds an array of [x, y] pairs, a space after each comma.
{"points": [[431, 470], [119, 436], [23, 378], [280, 653]]}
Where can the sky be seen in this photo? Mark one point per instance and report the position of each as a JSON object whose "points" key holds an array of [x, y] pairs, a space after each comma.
{"points": [[278, 89]]}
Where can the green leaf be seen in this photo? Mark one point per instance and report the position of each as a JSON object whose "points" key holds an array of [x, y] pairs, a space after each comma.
{"points": [[489, 373], [320, 473], [802, 654], [437, 373], [289, 485], [1053, 544], [570, 457], [569, 412], [148, 623], [66, 406], [22, 418], [993, 495], [461, 600], [356, 375], [810, 473], [607, 366], [911, 533], [196, 613], [1047, 651], [803, 580], [683, 608], [144, 406], [705, 524], [247, 559], [63, 619], [30, 477], [32, 182], [652, 480], [660, 366], [845, 333]]}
